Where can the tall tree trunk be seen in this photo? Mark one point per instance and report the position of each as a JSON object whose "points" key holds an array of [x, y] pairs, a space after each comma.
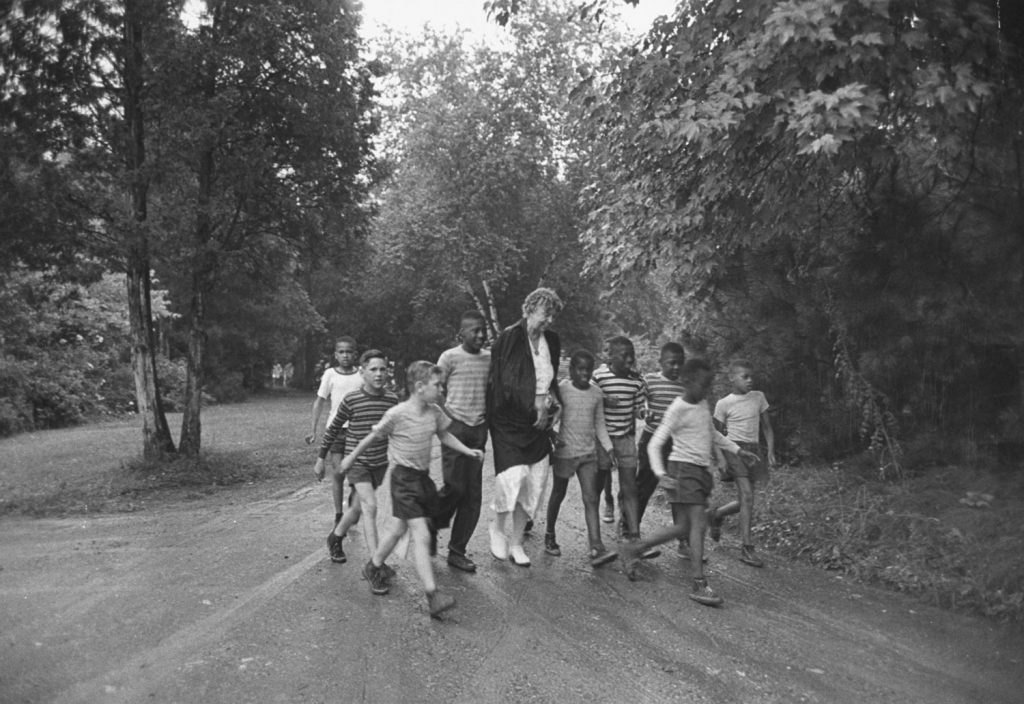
{"points": [[495, 323], [156, 434]]}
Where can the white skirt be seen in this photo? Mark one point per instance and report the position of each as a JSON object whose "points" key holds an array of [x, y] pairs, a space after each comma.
{"points": [[523, 484]]}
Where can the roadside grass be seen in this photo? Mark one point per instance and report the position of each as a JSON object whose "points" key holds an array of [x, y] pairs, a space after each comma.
{"points": [[925, 536], [99, 468]]}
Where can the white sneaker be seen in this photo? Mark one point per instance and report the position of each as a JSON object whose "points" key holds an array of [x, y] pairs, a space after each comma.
{"points": [[499, 544], [518, 556]]}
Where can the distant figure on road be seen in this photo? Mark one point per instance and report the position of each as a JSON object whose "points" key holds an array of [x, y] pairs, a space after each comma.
{"points": [[276, 375], [522, 402], [409, 429], [286, 375]]}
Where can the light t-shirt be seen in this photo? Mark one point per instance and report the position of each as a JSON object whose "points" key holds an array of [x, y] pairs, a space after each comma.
{"points": [[542, 368], [410, 430], [582, 420], [692, 432], [741, 415], [465, 378], [334, 386]]}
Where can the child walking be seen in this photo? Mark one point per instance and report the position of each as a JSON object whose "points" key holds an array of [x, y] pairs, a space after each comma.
{"points": [[575, 454], [409, 429], [743, 416], [335, 384], [360, 410], [685, 477], [464, 373], [663, 388]]}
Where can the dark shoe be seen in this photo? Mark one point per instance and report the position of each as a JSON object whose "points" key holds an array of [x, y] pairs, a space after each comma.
{"points": [[629, 555], [388, 571], [749, 557], [461, 562], [601, 556], [528, 527], [703, 594], [375, 576], [438, 603], [334, 548], [550, 546], [608, 515], [715, 524]]}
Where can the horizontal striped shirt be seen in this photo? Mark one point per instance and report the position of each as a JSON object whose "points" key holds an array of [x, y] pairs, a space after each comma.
{"points": [[661, 392], [465, 377], [623, 400], [410, 430], [361, 411]]}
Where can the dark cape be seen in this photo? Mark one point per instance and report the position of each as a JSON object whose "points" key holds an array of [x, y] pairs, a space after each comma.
{"points": [[511, 396]]}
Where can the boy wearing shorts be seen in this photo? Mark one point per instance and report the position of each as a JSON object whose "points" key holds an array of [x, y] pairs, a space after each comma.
{"points": [[335, 384], [743, 416], [685, 478], [582, 421], [409, 429], [360, 410]]}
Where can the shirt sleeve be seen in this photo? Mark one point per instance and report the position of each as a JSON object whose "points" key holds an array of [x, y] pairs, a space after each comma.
{"points": [[338, 422], [444, 362], [601, 429], [763, 405], [723, 442], [442, 420], [720, 410], [668, 423], [324, 391]]}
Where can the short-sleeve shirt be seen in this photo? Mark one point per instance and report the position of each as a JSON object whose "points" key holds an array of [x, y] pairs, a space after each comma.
{"points": [[661, 392], [361, 411], [410, 431], [741, 415], [465, 377], [623, 400], [582, 419], [692, 432], [334, 386]]}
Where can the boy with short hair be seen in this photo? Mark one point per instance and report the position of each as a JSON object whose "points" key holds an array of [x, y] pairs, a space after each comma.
{"points": [[575, 453], [359, 411], [624, 392], [464, 374], [335, 384], [685, 477], [743, 416], [409, 428]]}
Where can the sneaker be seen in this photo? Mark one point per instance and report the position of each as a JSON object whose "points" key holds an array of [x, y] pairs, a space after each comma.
{"points": [[334, 548], [629, 555], [550, 546], [461, 562], [749, 557], [438, 603], [608, 515], [528, 527], [703, 594], [375, 576], [388, 571], [601, 556], [715, 524]]}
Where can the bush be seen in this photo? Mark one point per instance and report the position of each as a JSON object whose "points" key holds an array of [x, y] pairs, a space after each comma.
{"points": [[226, 387]]}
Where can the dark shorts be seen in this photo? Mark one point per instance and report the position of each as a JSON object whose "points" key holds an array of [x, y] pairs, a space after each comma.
{"points": [[567, 467], [367, 475], [624, 447], [756, 472], [338, 446], [413, 494], [686, 483]]}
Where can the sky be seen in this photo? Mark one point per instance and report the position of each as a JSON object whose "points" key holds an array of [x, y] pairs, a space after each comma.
{"points": [[409, 15]]}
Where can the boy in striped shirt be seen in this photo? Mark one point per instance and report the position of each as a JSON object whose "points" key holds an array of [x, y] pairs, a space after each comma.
{"points": [[624, 393], [361, 410], [464, 373]]}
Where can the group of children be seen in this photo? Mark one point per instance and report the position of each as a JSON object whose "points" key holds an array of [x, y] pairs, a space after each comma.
{"points": [[370, 430]]}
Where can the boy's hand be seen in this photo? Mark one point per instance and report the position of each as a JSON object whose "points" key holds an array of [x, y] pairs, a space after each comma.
{"points": [[772, 462], [310, 438], [478, 455], [749, 456], [319, 469], [346, 464]]}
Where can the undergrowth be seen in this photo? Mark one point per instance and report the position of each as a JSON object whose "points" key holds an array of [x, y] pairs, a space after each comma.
{"points": [[923, 536]]}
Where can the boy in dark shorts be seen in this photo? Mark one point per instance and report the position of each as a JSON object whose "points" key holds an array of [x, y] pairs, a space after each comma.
{"points": [[409, 429], [743, 416], [360, 410], [685, 477], [582, 421]]}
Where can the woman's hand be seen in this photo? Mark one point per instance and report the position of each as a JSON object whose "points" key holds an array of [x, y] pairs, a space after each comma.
{"points": [[542, 413]]}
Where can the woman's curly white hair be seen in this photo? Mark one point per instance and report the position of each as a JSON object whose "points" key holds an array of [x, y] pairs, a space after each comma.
{"points": [[545, 297]]}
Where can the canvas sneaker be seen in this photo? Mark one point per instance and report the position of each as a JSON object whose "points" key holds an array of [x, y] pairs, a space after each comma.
{"points": [[550, 546], [375, 576], [334, 548], [703, 594], [748, 556]]}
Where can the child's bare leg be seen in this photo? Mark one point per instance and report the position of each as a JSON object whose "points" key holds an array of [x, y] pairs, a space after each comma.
{"points": [[421, 552], [746, 493], [727, 509], [661, 535], [395, 532], [338, 483], [366, 497], [349, 518], [695, 515], [590, 487], [558, 490], [681, 519]]}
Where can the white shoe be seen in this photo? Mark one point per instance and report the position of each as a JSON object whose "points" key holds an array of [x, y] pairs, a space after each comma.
{"points": [[518, 556], [499, 544]]}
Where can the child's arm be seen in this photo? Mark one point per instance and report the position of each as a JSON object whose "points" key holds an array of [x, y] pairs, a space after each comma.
{"points": [[318, 406], [601, 431], [449, 440], [350, 458], [719, 440], [319, 469], [769, 437], [662, 434]]}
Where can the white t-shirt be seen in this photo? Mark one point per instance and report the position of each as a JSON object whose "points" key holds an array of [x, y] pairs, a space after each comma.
{"points": [[542, 368], [334, 386], [692, 432], [741, 415]]}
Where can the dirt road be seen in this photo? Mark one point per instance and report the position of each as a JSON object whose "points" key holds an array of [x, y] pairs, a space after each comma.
{"points": [[231, 598]]}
